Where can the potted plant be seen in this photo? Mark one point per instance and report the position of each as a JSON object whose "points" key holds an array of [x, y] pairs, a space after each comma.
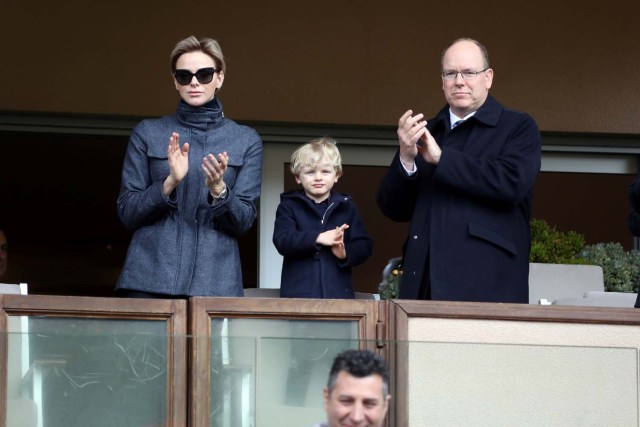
{"points": [[556, 269], [621, 269], [391, 276], [562, 267], [550, 246]]}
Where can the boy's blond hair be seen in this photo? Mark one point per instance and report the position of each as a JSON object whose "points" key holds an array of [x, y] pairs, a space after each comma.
{"points": [[314, 152]]}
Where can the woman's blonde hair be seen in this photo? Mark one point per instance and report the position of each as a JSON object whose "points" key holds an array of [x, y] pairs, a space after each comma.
{"points": [[205, 45]]}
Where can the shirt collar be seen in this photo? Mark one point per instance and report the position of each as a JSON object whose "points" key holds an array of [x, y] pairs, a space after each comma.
{"points": [[455, 119], [489, 114]]}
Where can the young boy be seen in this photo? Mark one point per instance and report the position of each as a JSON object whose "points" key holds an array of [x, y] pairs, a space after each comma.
{"points": [[318, 232]]}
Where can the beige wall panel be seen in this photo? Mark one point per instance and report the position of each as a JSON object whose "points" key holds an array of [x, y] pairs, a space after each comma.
{"points": [[488, 372]]}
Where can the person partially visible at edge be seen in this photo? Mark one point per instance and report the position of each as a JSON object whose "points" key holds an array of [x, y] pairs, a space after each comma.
{"points": [[464, 179], [4, 253], [318, 231], [357, 393], [190, 187], [634, 215]]}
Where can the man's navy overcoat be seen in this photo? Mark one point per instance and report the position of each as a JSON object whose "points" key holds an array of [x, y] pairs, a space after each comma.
{"points": [[469, 215]]}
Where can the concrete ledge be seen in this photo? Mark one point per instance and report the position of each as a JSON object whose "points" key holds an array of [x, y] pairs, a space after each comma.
{"points": [[601, 299], [558, 281]]}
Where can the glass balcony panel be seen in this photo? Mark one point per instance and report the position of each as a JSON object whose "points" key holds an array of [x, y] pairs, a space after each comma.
{"points": [[89, 372], [267, 370]]}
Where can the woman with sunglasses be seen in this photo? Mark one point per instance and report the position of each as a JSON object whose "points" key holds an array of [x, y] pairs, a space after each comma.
{"points": [[190, 185]]}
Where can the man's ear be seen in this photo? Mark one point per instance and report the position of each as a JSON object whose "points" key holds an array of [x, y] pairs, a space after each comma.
{"points": [[325, 394], [488, 78], [386, 404]]}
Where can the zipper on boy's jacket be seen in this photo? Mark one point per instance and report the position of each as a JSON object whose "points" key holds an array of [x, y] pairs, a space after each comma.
{"points": [[325, 213]]}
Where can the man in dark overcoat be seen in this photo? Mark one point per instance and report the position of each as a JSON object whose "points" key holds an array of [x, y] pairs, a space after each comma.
{"points": [[464, 180]]}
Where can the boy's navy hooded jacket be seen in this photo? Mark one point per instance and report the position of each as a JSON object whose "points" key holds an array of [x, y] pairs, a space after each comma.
{"points": [[310, 270]]}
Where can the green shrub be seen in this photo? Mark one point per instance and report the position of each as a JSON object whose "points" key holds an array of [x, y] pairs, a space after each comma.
{"points": [[620, 268], [551, 246], [389, 288]]}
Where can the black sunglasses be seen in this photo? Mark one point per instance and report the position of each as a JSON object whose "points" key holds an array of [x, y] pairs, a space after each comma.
{"points": [[204, 76]]}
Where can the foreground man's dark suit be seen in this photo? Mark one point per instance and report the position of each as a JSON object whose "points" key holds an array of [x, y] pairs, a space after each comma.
{"points": [[469, 214]]}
